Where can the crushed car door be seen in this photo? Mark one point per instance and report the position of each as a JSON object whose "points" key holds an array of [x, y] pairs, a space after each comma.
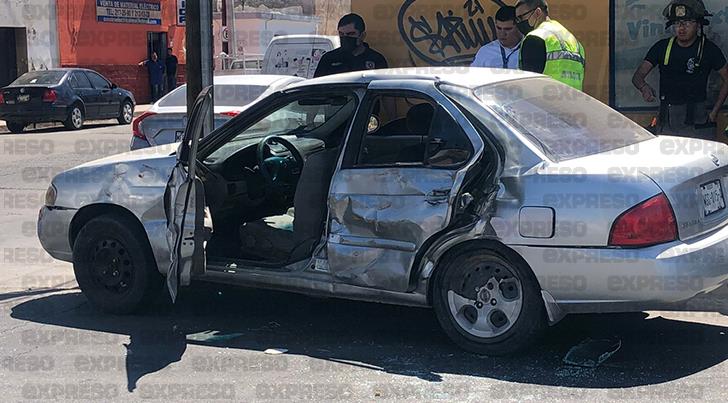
{"points": [[385, 208], [185, 203]]}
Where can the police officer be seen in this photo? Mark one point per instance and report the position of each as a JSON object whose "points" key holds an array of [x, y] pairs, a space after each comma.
{"points": [[685, 62], [548, 47], [354, 54]]}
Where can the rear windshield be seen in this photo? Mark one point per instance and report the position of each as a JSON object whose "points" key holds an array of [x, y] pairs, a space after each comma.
{"points": [[40, 78], [564, 122], [225, 95]]}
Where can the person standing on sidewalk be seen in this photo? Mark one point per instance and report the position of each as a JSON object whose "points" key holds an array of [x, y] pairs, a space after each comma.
{"points": [[155, 68], [171, 66], [549, 48], [685, 61]]}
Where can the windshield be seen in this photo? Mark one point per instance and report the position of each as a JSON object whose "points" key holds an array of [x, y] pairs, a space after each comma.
{"points": [[564, 122], [225, 95], [40, 78]]}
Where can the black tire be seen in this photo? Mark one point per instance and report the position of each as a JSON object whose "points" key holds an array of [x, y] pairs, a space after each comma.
{"points": [[126, 116], [15, 127], [109, 243], [523, 331], [75, 118]]}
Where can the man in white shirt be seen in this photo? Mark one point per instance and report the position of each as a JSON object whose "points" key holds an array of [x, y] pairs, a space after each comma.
{"points": [[502, 53]]}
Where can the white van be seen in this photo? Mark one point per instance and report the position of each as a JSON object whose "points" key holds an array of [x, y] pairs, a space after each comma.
{"points": [[297, 55]]}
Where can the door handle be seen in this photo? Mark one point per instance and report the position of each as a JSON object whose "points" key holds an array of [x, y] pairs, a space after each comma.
{"points": [[438, 196]]}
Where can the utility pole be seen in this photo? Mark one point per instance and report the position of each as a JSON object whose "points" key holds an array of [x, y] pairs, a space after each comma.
{"points": [[198, 34], [225, 47]]}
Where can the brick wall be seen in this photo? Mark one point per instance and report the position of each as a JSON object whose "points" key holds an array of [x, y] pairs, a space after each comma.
{"points": [[133, 78]]}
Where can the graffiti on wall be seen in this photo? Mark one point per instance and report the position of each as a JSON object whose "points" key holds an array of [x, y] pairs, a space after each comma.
{"points": [[444, 36]]}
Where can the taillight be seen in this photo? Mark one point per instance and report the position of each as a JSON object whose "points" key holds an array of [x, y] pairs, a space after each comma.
{"points": [[649, 223], [2, 98], [136, 132], [231, 114], [50, 96]]}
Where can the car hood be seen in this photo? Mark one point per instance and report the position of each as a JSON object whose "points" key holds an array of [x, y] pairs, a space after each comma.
{"points": [[152, 153], [135, 180]]}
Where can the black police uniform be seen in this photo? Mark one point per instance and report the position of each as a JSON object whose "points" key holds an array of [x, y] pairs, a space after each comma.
{"points": [[343, 61]]}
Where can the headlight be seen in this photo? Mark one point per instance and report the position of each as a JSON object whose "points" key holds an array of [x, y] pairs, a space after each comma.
{"points": [[50, 197]]}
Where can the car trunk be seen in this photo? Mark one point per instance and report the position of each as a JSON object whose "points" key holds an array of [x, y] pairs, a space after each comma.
{"points": [[165, 128], [692, 173], [17, 97]]}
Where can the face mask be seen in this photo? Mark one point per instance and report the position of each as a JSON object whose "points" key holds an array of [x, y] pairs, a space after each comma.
{"points": [[525, 27], [348, 43]]}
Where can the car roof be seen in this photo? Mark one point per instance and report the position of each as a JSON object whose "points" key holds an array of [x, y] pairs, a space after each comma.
{"points": [[469, 77], [250, 79]]}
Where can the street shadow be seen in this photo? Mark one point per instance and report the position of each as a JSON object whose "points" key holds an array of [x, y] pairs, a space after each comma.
{"points": [[397, 340], [57, 127]]}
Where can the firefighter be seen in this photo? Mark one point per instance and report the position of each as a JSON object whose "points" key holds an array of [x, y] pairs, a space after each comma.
{"points": [[685, 61]]}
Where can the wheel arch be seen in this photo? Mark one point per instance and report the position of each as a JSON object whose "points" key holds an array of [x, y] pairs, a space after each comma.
{"points": [[88, 213], [483, 244]]}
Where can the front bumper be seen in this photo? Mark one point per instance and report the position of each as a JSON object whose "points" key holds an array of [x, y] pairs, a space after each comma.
{"points": [[54, 232], [622, 280]]}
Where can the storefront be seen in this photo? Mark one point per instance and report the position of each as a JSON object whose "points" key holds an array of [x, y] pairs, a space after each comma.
{"points": [[615, 33], [112, 37]]}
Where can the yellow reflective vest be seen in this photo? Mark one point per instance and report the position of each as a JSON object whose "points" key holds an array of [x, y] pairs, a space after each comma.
{"points": [[565, 58]]}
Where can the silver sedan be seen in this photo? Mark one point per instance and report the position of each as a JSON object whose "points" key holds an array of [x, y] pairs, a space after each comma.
{"points": [[503, 200], [165, 121]]}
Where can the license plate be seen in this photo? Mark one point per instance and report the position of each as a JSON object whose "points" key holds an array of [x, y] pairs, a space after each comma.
{"points": [[23, 98], [178, 136], [713, 199]]}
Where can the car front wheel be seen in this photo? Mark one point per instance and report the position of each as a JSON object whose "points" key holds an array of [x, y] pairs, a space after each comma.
{"points": [[114, 265], [74, 120], [487, 304], [126, 113], [15, 127]]}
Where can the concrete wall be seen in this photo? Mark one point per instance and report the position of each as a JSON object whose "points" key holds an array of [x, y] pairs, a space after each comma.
{"points": [[330, 12], [38, 17]]}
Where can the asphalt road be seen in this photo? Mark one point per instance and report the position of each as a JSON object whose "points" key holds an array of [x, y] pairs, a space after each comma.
{"points": [[211, 344]]}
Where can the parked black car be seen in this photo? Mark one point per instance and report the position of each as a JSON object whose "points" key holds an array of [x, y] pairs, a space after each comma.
{"points": [[70, 96]]}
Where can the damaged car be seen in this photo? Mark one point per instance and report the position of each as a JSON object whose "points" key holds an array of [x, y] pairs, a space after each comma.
{"points": [[503, 200]]}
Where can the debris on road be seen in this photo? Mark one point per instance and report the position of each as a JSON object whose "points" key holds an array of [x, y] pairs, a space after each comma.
{"points": [[592, 353]]}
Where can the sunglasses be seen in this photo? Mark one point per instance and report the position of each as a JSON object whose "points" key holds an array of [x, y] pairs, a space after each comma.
{"points": [[522, 17]]}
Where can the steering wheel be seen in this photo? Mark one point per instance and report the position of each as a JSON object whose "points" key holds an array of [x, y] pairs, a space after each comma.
{"points": [[293, 164]]}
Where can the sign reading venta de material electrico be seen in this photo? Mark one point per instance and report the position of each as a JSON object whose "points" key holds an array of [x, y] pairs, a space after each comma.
{"points": [[129, 11]]}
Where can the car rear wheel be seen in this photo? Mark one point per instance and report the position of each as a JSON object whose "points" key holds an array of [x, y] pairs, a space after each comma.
{"points": [[15, 127], [488, 305], [126, 113], [74, 121], [114, 266]]}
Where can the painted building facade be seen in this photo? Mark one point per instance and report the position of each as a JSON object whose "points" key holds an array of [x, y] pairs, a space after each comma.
{"points": [[112, 37]]}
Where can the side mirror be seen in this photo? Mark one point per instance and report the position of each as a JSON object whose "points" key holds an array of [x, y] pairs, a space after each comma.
{"points": [[373, 124], [114, 86]]}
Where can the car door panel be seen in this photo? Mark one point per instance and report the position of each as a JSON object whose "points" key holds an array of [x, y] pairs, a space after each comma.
{"points": [[381, 218], [104, 96], [83, 89], [188, 221]]}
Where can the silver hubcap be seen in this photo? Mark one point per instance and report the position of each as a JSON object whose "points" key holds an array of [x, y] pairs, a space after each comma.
{"points": [[490, 309], [76, 117], [127, 113]]}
